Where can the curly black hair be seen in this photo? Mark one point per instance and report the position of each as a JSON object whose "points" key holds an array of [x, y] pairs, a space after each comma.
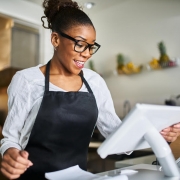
{"points": [[63, 14]]}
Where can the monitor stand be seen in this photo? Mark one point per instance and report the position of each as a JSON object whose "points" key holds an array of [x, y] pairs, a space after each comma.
{"points": [[163, 152], [144, 172]]}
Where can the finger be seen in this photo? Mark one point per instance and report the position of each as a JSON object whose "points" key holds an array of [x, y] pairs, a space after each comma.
{"points": [[14, 160], [172, 129], [9, 175], [176, 130], [12, 163], [12, 170], [20, 159], [176, 125], [170, 134], [24, 154], [170, 139], [166, 129]]}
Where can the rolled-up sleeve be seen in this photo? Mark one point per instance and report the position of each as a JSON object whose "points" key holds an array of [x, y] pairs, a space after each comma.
{"points": [[18, 109], [108, 120]]}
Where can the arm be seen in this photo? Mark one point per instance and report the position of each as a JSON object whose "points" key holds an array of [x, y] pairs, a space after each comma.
{"points": [[14, 160], [108, 120]]}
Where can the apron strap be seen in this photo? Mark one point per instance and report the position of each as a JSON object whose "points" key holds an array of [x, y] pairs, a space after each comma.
{"points": [[85, 82], [47, 76]]}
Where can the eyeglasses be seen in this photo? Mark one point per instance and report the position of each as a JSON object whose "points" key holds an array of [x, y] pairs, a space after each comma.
{"points": [[80, 46]]}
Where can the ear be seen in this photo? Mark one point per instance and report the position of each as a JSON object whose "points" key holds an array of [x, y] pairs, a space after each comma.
{"points": [[55, 39]]}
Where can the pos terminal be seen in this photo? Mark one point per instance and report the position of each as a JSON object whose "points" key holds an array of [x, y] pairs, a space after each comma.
{"points": [[140, 130]]}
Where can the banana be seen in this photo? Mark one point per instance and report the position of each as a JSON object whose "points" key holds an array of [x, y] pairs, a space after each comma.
{"points": [[129, 68], [154, 64]]}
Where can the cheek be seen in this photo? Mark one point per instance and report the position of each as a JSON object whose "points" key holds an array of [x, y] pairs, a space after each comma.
{"points": [[70, 55], [67, 55]]}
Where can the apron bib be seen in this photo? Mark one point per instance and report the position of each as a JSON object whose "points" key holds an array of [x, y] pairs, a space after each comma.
{"points": [[62, 131]]}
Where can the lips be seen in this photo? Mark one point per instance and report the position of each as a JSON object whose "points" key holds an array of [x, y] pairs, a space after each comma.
{"points": [[79, 64]]}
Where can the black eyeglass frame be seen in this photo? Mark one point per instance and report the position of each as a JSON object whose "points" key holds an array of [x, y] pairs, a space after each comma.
{"points": [[76, 41]]}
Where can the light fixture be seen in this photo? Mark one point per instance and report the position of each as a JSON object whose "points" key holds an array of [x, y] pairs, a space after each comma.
{"points": [[89, 5]]}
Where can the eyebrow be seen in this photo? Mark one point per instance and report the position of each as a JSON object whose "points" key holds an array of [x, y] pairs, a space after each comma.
{"points": [[83, 38]]}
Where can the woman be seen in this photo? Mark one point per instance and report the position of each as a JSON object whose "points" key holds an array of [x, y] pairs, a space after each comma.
{"points": [[54, 108]]}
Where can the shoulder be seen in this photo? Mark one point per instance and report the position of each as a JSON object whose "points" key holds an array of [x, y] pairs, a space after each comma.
{"points": [[24, 78], [30, 74]]}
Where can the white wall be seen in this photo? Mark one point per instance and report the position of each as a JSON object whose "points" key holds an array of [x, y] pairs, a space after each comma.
{"points": [[23, 10], [134, 28]]}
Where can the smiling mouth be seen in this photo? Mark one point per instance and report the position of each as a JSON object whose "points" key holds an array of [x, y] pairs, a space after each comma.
{"points": [[79, 64]]}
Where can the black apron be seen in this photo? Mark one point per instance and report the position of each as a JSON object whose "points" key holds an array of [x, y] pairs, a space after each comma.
{"points": [[62, 131]]}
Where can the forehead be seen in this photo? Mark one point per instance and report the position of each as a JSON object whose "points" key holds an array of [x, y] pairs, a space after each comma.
{"points": [[87, 32]]}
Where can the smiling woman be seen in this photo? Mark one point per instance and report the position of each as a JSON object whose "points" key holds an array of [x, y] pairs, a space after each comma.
{"points": [[54, 108]]}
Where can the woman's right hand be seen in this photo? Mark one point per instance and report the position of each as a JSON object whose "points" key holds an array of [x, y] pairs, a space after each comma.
{"points": [[14, 163]]}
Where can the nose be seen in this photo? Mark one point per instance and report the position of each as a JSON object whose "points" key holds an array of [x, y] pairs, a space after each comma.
{"points": [[86, 53]]}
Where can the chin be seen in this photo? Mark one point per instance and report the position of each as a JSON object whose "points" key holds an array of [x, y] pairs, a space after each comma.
{"points": [[78, 72]]}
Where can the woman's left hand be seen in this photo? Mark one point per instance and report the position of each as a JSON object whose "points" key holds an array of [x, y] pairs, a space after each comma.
{"points": [[171, 133]]}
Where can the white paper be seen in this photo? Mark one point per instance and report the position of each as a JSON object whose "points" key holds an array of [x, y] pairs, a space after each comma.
{"points": [[76, 173], [72, 173]]}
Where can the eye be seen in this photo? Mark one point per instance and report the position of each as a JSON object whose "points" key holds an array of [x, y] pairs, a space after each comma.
{"points": [[81, 44], [93, 47]]}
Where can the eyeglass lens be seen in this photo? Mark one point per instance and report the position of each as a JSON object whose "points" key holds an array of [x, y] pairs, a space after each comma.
{"points": [[82, 46]]}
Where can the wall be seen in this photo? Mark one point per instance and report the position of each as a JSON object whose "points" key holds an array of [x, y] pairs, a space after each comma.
{"points": [[134, 27], [29, 14], [23, 10]]}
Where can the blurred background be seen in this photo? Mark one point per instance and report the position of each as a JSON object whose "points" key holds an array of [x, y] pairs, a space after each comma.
{"points": [[139, 55]]}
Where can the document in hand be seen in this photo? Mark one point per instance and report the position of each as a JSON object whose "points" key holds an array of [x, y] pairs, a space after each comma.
{"points": [[75, 173], [72, 173]]}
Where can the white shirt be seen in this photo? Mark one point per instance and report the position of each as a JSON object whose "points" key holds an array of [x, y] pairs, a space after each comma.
{"points": [[25, 94]]}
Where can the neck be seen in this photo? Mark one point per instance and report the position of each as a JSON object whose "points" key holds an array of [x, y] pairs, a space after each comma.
{"points": [[57, 68]]}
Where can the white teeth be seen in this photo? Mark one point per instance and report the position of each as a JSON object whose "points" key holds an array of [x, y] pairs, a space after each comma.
{"points": [[80, 62]]}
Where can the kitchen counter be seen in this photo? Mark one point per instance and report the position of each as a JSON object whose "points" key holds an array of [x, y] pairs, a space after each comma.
{"points": [[144, 172]]}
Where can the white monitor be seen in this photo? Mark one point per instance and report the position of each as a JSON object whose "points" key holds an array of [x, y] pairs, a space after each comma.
{"points": [[140, 129]]}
